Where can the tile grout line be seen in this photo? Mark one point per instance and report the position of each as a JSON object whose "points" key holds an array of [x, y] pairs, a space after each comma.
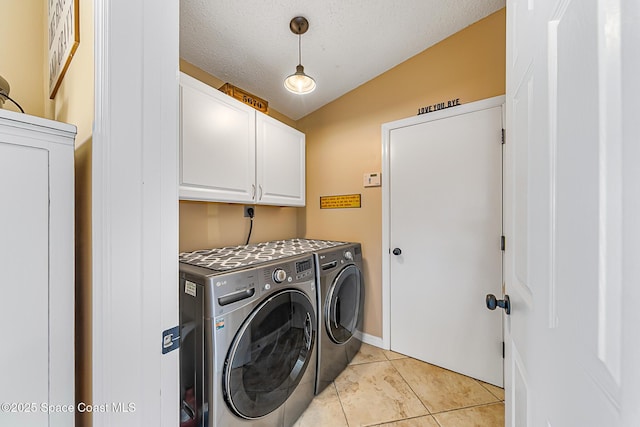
{"points": [[429, 413], [492, 393], [390, 361], [468, 407], [384, 422], [411, 388], [338, 393], [498, 401], [333, 383], [436, 420]]}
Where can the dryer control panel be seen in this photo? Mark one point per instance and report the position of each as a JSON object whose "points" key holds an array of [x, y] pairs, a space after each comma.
{"points": [[331, 259]]}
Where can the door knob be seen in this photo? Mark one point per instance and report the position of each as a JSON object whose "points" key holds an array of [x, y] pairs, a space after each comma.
{"points": [[397, 251], [493, 302]]}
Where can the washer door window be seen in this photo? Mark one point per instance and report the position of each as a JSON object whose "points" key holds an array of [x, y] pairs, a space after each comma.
{"points": [[343, 304], [269, 355]]}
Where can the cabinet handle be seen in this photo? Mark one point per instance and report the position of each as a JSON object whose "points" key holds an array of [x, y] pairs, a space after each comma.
{"points": [[253, 191], [260, 186]]}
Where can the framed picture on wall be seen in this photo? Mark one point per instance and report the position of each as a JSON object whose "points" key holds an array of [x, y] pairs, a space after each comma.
{"points": [[64, 38]]}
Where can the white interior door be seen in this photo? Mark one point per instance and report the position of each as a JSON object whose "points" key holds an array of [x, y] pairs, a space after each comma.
{"points": [[445, 228], [570, 195]]}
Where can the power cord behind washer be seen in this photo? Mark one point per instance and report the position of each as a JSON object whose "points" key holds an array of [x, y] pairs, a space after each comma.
{"points": [[251, 214]]}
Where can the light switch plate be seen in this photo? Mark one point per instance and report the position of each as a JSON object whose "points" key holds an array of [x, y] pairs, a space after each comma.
{"points": [[372, 179]]}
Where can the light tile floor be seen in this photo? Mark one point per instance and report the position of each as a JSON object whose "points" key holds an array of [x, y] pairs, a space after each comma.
{"points": [[385, 389]]}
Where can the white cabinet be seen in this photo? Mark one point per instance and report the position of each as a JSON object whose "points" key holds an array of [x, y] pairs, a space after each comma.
{"points": [[280, 163], [217, 145], [229, 152], [36, 270]]}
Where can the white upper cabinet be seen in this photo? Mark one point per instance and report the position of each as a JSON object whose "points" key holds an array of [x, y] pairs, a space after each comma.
{"points": [[217, 145], [280, 163], [229, 152]]}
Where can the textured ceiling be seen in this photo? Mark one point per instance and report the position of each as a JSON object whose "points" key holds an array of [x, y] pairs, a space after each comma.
{"points": [[248, 42]]}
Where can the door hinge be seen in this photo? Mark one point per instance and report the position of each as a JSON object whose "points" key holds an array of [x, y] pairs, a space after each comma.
{"points": [[502, 243], [503, 136], [503, 349]]}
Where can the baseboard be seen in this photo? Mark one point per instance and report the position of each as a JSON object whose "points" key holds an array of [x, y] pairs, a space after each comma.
{"points": [[371, 340]]}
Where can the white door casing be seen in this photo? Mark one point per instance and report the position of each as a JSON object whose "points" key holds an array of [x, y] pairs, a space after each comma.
{"points": [[442, 196], [569, 193], [135, 212]]}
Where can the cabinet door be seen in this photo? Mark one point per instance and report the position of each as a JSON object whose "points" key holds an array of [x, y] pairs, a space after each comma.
{"points": [[36, 271], [24, 174], [280, 163], [217, 145]]}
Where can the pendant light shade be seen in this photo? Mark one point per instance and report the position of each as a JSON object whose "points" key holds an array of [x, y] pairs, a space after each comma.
{"points": [[299, 82]]}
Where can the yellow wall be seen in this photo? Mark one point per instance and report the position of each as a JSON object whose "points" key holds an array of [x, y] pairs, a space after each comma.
{"points": [[344, 137], [74, 103], [24, 47], [210, 225], [22, 43]]}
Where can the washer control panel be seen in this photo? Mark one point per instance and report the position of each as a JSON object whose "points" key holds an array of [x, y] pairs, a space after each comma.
{"points": [[287, 272], [304, 269]]}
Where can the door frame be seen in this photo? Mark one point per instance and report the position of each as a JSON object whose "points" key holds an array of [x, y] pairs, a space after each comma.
{"points": [[386, 166], [135, 213]]}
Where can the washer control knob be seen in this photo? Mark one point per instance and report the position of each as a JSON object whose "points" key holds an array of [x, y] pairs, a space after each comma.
{"points": [[279, 275], [348, 255]]}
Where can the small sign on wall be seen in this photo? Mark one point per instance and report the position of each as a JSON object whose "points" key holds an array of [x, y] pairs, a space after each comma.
{"points": [[64, 38], [439, 106], [340, 202]]}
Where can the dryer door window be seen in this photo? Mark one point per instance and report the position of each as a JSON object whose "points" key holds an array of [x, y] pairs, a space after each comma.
{"points": [[270, 354], [343, 304]]}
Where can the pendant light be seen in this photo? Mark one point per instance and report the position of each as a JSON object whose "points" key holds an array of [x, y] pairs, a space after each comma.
{"points": [[299, 82]]}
